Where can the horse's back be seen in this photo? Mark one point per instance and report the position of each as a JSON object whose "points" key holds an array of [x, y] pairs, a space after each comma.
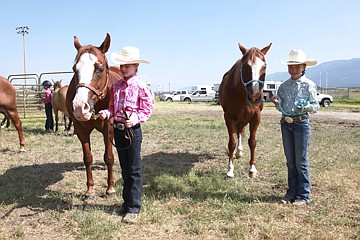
{"points": [[7, 94], [59, 100]]}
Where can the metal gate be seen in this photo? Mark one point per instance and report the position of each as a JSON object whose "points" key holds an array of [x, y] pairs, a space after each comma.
{"points": [[29, 92]]}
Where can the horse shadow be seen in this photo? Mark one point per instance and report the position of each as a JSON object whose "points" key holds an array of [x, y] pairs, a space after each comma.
{"points": [[27, 186], [180, 164]]}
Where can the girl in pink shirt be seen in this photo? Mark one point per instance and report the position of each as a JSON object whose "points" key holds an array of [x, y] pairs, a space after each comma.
{"points": [[49, 123], [131, 104]]}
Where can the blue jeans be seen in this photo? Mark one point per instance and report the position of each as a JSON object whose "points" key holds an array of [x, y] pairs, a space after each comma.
{"points": [[49, 123], [131, 170], [296, 142]]}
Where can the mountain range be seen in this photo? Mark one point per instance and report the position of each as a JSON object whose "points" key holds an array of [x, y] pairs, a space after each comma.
{"points": [[337, 73]]}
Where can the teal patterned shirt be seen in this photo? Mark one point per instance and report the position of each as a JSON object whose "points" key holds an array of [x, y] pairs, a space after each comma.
{"points": [[299, 92]]}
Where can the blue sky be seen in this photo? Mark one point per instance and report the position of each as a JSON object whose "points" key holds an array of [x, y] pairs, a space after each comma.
{"points": [[188, 42]]}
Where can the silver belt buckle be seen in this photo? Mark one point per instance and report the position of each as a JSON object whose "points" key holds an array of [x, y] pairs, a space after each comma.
{"points": [[289, 119], [120, 126]]}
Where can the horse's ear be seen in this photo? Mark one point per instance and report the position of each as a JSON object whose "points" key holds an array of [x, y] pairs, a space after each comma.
{"points": [[77, 43], [266, 49], [106, 44], [60, 80], [242, 48]]}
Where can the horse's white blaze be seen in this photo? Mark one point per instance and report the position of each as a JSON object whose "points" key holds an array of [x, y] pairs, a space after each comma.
{"points": [[253, 169], [256, 68], [85, 69], [230, 172]]}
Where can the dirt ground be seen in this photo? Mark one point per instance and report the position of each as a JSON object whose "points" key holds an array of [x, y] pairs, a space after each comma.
{"points": [[338, 115]]}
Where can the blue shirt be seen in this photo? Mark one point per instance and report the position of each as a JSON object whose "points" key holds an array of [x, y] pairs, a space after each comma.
{"points": [[296, 92]]}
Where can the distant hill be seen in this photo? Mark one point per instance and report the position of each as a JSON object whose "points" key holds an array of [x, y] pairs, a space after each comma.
{"points": [[339, 73]]}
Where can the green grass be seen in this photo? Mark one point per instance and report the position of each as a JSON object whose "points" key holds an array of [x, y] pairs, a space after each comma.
{"points": [[185, 192]]}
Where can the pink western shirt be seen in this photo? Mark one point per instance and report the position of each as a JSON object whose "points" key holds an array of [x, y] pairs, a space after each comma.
{"points": [[132, 96], [47, 98]]}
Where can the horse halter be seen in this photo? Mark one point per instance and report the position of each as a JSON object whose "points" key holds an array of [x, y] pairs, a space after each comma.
{"points": [[251, 81]]}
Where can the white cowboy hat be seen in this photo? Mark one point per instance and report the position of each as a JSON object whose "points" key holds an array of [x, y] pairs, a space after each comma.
{"points": [[128, 55], [297, 56]]}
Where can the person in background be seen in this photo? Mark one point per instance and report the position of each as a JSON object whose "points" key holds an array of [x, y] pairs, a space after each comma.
{"points": [[295, 99], [131, 104], [49, 124]]}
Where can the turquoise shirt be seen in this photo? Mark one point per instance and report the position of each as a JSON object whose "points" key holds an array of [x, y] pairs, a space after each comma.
{"points": [[296, 92]]}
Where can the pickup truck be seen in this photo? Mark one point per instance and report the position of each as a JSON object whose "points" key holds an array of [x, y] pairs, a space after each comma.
{"points": [[174, 96], [324, 99], [199, 96]]}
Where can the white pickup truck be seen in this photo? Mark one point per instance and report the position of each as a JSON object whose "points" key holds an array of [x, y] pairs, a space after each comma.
{"points": [[324, 99], [199, 96], [174, 96]]}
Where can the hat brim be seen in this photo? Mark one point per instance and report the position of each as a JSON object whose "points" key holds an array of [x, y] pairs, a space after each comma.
{"points": [[309, 62], [119, 61]]}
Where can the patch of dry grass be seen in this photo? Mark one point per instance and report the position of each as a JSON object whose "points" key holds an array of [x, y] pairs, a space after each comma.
{"points": [[186, 194]]}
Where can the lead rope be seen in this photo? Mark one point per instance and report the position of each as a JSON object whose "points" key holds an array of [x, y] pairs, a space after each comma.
{"points": [[128, 134]]}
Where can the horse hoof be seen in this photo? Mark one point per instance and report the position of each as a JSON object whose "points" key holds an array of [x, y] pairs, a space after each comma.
{"points": [[22, 150], [111, 195], [88, 199], [230, 175], [252, 174]]}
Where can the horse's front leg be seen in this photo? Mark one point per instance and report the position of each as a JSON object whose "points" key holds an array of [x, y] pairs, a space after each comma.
{"points": [[88, 161], [252, 144], [231, 148], [109, 158]]}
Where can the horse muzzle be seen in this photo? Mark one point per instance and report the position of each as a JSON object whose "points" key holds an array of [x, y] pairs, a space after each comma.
{"points": [[82, 110]]}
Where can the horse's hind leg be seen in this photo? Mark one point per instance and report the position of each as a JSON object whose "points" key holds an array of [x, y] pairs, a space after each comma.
{"points": [[56, 113], [239, 149], [14, 117]]}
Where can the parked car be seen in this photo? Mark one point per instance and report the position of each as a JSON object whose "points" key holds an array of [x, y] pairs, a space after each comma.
{"points": [[174, 96], [324, 99], [216, 99], [199, 96]]}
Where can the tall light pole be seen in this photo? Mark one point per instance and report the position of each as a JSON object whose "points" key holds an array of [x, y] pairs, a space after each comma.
{"points": [[23, 30]]}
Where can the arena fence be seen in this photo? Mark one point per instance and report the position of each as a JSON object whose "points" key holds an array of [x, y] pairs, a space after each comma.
{"points": [[29, 92], [343, 93]]}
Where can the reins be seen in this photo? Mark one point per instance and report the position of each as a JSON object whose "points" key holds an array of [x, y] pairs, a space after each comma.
{"points": [[128, 133]]}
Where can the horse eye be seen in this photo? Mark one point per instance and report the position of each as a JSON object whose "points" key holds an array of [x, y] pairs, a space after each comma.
{"points": [[262, 77]]}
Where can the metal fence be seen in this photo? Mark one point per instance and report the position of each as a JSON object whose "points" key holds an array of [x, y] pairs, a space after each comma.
{"points": [[342, 93], [29, 92]]}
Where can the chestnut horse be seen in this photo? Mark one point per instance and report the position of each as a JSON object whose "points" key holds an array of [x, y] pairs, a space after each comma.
{"points": [[241, 97], [88, 93], [8, 104], [58, 102]]}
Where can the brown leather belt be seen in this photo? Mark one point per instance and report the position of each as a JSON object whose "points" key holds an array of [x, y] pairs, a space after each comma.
{"points": [[290, 119]]}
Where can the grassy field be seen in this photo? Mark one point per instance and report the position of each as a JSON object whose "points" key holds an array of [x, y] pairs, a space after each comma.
{"points": [[186, 194]]}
